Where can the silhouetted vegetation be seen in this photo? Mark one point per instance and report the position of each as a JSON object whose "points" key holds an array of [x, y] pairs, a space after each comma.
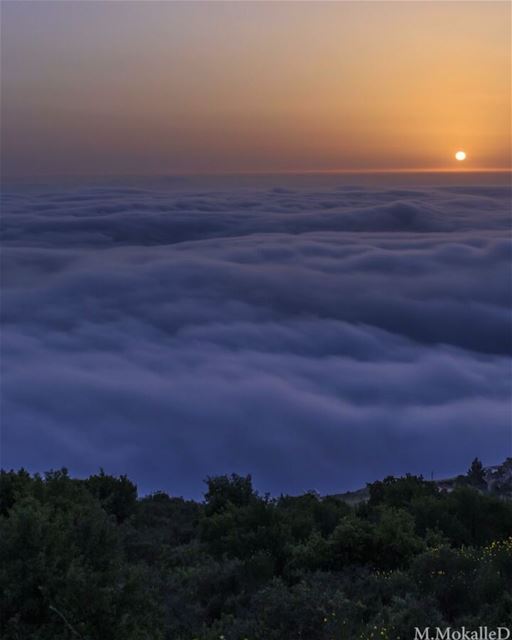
{"points": [[88, 559]]}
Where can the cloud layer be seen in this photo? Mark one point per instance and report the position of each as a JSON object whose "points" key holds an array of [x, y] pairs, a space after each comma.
{"points": [[316, 337]]}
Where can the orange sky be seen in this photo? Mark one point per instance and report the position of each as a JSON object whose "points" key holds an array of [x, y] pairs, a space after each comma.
{"points": [[168, 87]]}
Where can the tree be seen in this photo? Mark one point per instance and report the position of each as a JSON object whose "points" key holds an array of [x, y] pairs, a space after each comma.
{"points": [[399, 492], [63, 567], [351, 542], [476, 475], [118, 496], [225, 491], [14, 485], [395, 539]]}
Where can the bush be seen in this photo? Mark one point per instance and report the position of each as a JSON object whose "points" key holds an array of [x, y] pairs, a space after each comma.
{"points": [[89, 559]]}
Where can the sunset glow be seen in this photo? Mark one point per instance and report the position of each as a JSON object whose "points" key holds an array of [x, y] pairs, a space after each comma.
{"points": [[213, 87]]}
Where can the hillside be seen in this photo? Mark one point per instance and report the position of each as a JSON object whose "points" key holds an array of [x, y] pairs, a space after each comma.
{"points": [[90, 559], [496, 480]]}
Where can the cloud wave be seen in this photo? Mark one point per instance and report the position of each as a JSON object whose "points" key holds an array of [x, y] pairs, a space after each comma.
{"points": [[316, 337]]}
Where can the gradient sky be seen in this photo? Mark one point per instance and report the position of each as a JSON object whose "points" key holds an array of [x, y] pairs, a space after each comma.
{"points": [[166, 87]]}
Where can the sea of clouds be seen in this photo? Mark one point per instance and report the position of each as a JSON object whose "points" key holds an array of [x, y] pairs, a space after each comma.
{"points": [[315, 337]]}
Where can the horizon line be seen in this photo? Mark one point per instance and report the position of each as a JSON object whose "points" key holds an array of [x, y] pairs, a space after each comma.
{"points": [[290, 172], [368, 171]]}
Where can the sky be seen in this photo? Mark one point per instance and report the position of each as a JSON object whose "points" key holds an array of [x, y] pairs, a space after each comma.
{"points": [[157, 88], [320, 326]]}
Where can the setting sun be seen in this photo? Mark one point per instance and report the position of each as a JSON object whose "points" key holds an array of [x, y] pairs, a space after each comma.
{"points": [[460, 155]]}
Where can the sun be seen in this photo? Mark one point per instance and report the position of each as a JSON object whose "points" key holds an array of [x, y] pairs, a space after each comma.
{"points": [[460, 156]]}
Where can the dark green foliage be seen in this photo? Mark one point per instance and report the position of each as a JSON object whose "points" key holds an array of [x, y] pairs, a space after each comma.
{"points": [[88, 559], [118, 496], [63, 570], [400, 492], [476, 474], [225, 492]]}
